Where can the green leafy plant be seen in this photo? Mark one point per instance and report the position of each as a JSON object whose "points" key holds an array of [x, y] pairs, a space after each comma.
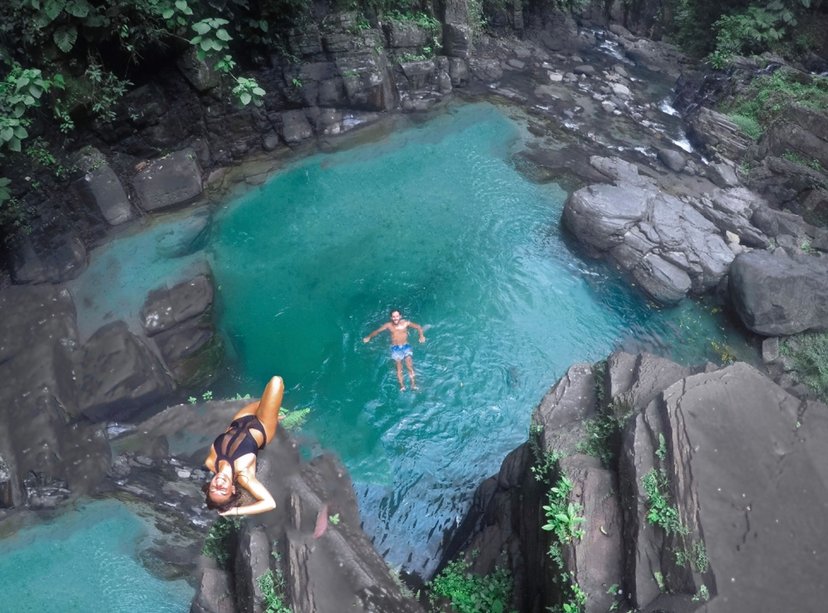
{"points": [[272, 586], [752, 30], [660, 511], [20, 93], [768, 95], [220, 540], [211, 37], [702, 595], [470, 593], [808, 353], [797, 158], [544, 466], [563, 521], [563, 518], [334, 519], [14, 215], [748, 125], [659, 579], [661, 450], [601, 432], [294, 419], [247, 90]]}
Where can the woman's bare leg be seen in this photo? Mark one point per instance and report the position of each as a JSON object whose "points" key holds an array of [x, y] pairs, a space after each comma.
{"points": [[269, 405]]}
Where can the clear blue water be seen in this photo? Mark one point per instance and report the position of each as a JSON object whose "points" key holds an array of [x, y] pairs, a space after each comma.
{"points": [[436, 221], [85, 560]]}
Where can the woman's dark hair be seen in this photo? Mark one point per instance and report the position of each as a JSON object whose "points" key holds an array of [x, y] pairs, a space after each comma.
{"points": [[224, 506]]}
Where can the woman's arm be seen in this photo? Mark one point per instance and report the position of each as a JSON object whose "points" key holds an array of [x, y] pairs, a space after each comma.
{"points": [[264, 501], [210, 462]]}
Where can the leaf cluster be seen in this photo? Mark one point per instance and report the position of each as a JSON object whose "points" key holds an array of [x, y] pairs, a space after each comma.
{"points": [[660, 511], [221, 539], [809, 354], [471, 593], [272, 585]]}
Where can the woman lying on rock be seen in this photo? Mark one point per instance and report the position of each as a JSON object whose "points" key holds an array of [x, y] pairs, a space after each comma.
{"points": [[233, 455]]}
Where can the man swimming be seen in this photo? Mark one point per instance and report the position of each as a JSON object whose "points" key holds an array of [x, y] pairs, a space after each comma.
{"points": [[400, 349]]}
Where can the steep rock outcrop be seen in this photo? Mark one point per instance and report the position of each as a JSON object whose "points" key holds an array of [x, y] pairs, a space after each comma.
{"points": [[313, 538], [696, 510]]}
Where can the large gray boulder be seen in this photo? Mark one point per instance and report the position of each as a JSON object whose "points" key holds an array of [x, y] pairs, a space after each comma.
{"points": [[734, 459], [717, 134], [118, 375], [179, 319], [172, 180], [666, 245], [368, 83], [101, 188], [326, 570], [775, 294], [800, 131], [47, 258]]}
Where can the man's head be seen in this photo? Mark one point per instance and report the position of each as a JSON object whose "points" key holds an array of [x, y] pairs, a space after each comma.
{"points": [[396, 316]]}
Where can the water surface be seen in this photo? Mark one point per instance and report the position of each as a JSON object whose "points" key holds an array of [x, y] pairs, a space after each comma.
{"points": [[86, 559]]}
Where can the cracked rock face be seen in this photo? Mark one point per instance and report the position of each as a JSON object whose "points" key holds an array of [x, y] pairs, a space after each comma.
{"points": [[664, 243], [740, 460]]}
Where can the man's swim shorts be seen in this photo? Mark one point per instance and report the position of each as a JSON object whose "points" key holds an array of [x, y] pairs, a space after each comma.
{"points": [[399, 352]]}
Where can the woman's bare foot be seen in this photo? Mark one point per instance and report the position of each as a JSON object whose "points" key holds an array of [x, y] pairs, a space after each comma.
{"points": [[402, 388]]}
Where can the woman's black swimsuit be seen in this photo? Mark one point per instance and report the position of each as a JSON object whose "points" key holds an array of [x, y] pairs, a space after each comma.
{"points": [[238, 441]]}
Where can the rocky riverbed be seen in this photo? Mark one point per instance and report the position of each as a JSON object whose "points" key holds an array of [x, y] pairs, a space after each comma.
{"points": [[658, 192]]}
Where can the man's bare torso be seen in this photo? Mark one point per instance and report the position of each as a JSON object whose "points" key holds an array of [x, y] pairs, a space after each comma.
{"points": [[399, 332]]}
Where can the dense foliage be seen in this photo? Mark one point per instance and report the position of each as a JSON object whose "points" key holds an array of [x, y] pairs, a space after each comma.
{"points": [[742, 27], [471, 593], [768, 95]]}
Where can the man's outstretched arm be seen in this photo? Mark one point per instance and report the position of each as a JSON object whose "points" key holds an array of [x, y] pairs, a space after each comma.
{"points": [[419, 329], [375, 332]]}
